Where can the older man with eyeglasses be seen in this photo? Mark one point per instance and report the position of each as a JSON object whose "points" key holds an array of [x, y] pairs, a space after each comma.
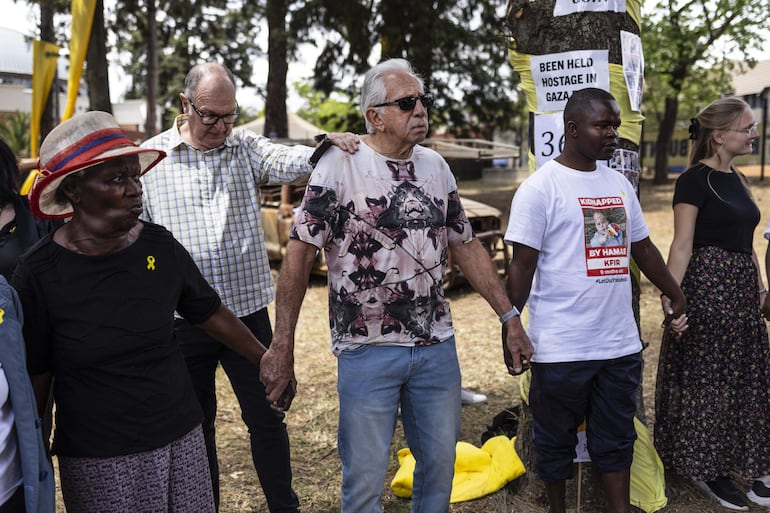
{"points": [[387, 217], [207, 192]]}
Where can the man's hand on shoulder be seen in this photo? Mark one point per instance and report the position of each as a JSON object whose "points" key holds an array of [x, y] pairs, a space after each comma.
{"points": [[345, 141]]}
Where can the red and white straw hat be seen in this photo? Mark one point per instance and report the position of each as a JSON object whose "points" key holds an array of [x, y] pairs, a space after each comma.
{"points": [[83, 141]]}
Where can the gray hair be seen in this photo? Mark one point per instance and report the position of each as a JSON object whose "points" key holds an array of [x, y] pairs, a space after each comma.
{"points": [[373, 90], [204, 69]]}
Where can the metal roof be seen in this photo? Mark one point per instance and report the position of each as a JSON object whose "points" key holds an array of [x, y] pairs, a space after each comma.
{"points": [[16, 56], [752, 81]]}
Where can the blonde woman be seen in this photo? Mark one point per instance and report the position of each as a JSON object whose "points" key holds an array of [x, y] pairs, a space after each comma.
{"points": [[713, 387]]}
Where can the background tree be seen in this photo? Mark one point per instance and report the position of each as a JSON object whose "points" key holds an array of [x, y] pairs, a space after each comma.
{"points": [[279, 41], [97, 77], [535, 31], [327, 113], [680, 37], [14, 130], [187, 33], [151, 122], [457, 46], [48, 8]]}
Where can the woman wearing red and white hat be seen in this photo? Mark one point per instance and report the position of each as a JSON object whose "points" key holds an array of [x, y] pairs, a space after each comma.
{"points": [[99, 296]]}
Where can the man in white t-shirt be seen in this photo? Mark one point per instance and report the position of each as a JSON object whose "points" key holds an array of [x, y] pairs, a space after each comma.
{"points": [[587, 351]]}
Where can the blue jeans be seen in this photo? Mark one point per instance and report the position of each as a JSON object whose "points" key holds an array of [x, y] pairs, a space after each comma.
{"points": [[270, 451], [372, 382]]}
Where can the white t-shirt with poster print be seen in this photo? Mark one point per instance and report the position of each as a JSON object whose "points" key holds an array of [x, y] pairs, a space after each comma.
{"points": [[580, 301]]}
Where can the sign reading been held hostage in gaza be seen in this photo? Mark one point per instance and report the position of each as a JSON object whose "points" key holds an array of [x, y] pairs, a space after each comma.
{"points": [[556, 77]]}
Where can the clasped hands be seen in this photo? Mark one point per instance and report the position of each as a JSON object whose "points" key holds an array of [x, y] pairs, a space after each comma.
{"points": [[676, 326]]}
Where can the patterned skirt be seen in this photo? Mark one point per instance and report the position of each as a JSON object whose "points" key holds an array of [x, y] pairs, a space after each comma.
{"points": [[712, 404], [173, 479]]}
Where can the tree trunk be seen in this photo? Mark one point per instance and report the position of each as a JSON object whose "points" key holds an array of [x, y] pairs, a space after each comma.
{"points": [[151, 122], [665, 133], [537, 32], [97, 76], [276, 122], [50, 115]]}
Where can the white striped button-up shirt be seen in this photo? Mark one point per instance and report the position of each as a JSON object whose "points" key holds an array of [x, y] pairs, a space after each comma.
{"points": [[210, 201]]}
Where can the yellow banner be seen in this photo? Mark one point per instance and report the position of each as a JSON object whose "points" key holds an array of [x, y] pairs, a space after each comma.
{"points": [[44, 60], [82, 18]]}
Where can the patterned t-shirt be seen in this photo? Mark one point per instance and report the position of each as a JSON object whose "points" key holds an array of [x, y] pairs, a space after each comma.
{"points": [[386, 227]]}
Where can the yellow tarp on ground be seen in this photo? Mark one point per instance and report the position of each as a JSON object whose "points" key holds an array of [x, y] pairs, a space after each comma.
{"points": [[478, 471]]}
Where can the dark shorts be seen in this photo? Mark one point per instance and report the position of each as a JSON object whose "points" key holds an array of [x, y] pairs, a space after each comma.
{"points": [[603, 392]]}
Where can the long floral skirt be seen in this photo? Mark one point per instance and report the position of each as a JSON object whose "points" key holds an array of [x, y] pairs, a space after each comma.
{"points": [[712, 404], [172, 479]]}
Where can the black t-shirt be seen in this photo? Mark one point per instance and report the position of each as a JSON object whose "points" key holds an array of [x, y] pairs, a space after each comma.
{"points": [[104, 327], [20, 234], [726, 215], [10, 249]]}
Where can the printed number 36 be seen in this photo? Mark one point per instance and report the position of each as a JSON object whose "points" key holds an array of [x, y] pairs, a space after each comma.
{"points": [[548, 149]]}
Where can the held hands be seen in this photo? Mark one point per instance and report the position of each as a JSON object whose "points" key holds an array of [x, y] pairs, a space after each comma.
{"points": [[517, 348], [675, 320], [276, 371]]}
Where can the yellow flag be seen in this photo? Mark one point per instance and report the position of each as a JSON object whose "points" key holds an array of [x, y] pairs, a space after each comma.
{"points": [[82, 18], [44, 60]]}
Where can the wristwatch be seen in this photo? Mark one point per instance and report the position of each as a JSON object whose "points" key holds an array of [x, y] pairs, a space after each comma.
{"points": [[323, 144]]}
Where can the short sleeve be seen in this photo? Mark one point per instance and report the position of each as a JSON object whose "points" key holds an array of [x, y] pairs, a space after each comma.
{"points": [[527, 221], [690, 189], [318, 216], [459, 229], [198, 300]]}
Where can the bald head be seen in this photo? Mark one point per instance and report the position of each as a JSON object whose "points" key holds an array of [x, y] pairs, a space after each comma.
{"points": [[209, 92], [210, 72]]}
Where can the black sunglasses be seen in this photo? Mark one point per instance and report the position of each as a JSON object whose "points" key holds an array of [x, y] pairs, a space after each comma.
{"points": [[408, 103], [211, 119]]}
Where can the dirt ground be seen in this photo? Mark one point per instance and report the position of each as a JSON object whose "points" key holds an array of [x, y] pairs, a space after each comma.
{"points": [[312, 420]]}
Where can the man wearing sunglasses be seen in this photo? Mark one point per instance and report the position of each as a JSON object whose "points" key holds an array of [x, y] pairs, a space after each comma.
{"points": [[207, 192], [387, 217]]}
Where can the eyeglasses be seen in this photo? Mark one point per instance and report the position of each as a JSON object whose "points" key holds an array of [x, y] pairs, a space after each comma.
{"points": [[408, 103], [747, 130], [211, 119]]}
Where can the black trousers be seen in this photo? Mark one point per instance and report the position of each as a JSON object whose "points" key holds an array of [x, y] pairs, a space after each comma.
{"points": [[15, 503], [267, 431]]}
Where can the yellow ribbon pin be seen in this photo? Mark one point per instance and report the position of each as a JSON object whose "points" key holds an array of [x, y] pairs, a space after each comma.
{"points": [[2, 312], [150, 263]]}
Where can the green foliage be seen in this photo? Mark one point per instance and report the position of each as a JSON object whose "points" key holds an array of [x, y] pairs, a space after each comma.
{"points": [[329, 114], [691, 49], [188, 33], [458, 47], [14, 130]]}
